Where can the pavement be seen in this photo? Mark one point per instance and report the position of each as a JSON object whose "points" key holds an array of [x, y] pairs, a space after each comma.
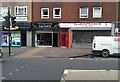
{"points": [[89, 75], [46, 52]]}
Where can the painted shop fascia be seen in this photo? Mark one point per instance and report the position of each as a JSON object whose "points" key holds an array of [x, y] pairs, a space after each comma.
{"points": [[45, 26], [74, 25]]}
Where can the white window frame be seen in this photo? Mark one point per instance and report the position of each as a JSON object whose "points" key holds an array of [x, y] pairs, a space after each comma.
{"points": [[42, 15], [2, 13], [17, 12], [97, 15], [56, 16], [82, 15]]}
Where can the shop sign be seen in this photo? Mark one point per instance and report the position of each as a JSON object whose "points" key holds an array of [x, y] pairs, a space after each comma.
{"points": [[21, 19], [15, 39], [85, 25], [2, 19], [43, 24], [17, 19], [25, 27]]}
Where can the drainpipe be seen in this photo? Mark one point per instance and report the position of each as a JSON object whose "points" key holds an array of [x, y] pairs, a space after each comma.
{"points": [[116, 28]]}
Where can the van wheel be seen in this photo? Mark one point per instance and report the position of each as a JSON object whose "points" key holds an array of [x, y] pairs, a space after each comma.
{"points": [[105, 53]]}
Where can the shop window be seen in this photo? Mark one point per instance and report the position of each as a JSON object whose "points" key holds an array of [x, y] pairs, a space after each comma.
{"points": [[56, 12], [97, 12], [83, 12], [20, 10], [45, 13], [4, 11]]}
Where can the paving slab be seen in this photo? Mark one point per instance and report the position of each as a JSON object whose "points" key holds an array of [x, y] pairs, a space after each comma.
{"points": [[46, 52], [62, 52]]}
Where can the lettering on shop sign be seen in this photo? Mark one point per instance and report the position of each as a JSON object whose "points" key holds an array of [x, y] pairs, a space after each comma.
{"points": [[88, 24], [85, 24], [45, 24]]}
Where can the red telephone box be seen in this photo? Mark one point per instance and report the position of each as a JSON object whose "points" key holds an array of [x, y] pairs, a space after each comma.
{"points": [[64, 39]]}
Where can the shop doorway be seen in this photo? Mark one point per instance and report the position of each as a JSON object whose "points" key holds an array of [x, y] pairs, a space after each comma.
{"points": [[64, 39], [55, 39], [23, 38]]}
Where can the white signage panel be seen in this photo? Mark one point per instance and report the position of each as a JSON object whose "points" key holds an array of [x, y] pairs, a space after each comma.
{"points": [[85, 24], [17, 19], [3, 11], [21, 19], [2, 19]]}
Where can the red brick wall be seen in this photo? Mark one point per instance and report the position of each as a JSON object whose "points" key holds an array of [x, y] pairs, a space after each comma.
{"points": [[119, 11], [70, 11]]}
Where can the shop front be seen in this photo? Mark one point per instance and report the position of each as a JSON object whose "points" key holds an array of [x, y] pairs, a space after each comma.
{"points": [[25, 31], [45, 34], [15, 37], [83, 33], [18, 36]]}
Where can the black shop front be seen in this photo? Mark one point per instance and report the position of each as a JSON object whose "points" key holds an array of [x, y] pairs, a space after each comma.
{"points": [[45, 34]]}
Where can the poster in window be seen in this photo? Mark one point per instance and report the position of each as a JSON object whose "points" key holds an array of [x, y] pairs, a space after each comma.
{"points": [[5, 39], [15, 39]]}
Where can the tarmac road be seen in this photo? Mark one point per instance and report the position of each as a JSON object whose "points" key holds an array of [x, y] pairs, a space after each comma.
{"points": [[36, 68]]}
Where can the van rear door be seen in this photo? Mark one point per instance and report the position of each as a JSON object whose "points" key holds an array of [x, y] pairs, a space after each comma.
{"points": [[116, 47]]}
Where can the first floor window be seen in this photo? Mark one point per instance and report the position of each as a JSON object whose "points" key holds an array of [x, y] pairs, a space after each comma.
{"points": [[45, 13], [3, 11], [97, 12], [56, 12], [21, 10], [84, 12]]}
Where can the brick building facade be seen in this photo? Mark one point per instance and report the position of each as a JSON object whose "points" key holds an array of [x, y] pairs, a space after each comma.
{"points": [[65, 24]]}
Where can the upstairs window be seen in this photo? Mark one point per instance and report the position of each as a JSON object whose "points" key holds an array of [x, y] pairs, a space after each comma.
{"points": [[45, 13], [20, 10], [97, 12], [56, 12], [4, 11], [83, 12]]}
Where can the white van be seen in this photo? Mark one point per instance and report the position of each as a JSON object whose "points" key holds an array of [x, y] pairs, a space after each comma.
{"points": [[106, 45]]}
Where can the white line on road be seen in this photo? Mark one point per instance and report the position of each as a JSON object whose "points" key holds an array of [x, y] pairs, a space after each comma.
{"points": [[108, 58], [22, 66], [26, 64], [98, 58], [10, 73], [3, 77], [17, 69], [71, 58]]}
